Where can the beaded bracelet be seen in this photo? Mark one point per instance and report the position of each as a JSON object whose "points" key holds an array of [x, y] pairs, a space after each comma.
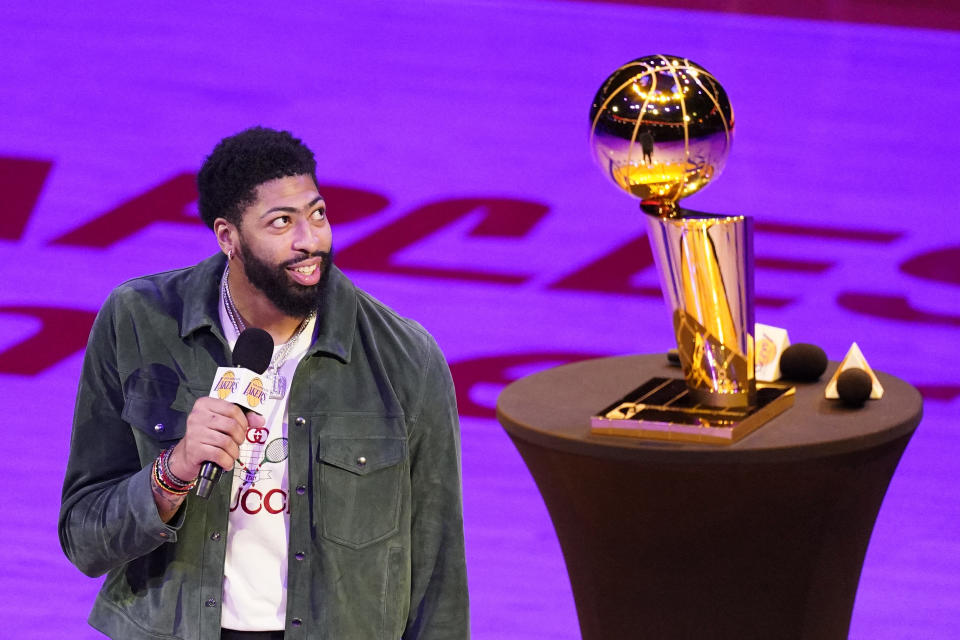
{"points": [[158, 478], [168, 474], [167, 480]]}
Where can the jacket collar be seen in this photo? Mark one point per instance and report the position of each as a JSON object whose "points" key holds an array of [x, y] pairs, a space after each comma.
{"points": [[336, 317]]}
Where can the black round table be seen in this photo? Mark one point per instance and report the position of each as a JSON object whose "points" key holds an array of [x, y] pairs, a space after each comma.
{"points": [[764, 538]]}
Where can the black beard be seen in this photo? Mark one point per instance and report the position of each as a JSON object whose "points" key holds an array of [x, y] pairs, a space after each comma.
{"points": [[291, 298]]}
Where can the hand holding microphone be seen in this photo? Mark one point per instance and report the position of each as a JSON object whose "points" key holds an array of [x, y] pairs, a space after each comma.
{"points": [[217, 425]]}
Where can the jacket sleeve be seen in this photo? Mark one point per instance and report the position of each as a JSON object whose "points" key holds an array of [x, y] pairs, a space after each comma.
{"points": [[107, 512], [439, 607]]}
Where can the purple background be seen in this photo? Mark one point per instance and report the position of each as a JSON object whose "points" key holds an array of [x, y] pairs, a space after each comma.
{"points": [[429, 119]]}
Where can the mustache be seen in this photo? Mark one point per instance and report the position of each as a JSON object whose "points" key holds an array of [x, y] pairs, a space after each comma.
{"points": [[323, 255]]}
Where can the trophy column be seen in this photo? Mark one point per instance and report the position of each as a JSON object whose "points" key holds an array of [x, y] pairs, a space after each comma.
{"points": [[705, 266]]}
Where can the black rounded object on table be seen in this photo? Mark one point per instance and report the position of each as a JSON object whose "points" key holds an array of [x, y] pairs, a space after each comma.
{"points": [[854, 387], [803, 362]]}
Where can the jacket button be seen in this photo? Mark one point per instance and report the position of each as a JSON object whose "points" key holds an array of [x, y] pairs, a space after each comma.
{"points": [[300, 421], [164, 534], [215, 535], [361, 461], [211, 602], [159, 427], [296, 622], [299, 555], [301, 490]]}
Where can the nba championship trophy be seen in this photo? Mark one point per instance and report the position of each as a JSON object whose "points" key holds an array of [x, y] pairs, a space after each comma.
{"points": [[661, 127]]}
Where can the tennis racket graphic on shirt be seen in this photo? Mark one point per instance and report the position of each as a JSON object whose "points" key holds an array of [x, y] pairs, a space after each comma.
{"points": [[276, 451]]}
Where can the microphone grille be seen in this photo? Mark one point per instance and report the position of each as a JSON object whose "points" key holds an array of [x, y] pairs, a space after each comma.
{"points": [[253, 350]]}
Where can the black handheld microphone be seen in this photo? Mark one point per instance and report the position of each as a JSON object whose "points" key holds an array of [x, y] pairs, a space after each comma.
{"points": [[253, 351]]}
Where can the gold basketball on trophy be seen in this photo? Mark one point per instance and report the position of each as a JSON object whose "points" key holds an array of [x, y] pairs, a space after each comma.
{"points": [[661, 128]]}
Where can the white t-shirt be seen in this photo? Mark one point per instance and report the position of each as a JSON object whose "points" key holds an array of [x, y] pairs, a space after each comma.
{"points": [[255, 570]]}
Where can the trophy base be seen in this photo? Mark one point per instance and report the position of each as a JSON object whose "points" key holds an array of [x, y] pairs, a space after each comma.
{"points": [[663, 409]]}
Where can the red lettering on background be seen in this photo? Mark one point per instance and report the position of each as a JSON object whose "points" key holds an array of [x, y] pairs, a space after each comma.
{"points": [[62, 333], [495, 369], [165, 202], [168, 202], [829, 233], [502, 217], [944, 392], [893, 307], [792, 264], [347, 204], [21, 182], [612, 273], [939, 265]]}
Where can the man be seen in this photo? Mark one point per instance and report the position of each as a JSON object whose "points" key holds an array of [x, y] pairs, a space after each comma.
{"points": [[340, 516]]}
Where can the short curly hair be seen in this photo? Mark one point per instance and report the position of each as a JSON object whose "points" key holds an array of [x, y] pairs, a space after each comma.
{"points": [[228, 180]]}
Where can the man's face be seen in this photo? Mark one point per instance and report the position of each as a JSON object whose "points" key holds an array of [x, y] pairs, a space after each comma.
{"points": [[285, 244]]}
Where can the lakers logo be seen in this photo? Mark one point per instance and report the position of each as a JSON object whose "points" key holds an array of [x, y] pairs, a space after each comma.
{"points": [[226, 385], [766, 351], [254, 392]]}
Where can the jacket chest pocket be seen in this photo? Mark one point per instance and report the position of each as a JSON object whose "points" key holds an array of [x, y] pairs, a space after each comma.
{"points": [[157, 411], [360, 480]]}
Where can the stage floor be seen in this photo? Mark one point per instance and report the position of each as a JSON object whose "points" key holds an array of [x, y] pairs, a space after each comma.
{"points": [[452, 149]]}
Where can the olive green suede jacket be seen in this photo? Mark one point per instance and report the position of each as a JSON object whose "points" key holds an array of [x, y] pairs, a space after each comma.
{"points": [[376, 532]]}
